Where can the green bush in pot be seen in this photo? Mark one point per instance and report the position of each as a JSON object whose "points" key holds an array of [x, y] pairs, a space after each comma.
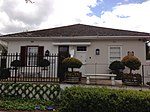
{"points": [[72, 63], [117, 68]]}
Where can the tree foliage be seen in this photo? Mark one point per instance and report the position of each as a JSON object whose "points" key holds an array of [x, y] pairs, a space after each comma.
{"points": [[132, 62], [72, 62], [117, 68], [116, 65]]}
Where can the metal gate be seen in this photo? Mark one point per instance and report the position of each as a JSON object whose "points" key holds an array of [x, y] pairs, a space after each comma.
{"points": [[146, 73], [31, 69]]}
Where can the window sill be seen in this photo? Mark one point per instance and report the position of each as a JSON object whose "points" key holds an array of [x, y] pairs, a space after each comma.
{"points": [[81, 51], [147, 61]]}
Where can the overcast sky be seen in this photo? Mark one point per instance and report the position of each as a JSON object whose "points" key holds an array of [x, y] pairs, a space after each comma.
{"points": [[19, 16]]}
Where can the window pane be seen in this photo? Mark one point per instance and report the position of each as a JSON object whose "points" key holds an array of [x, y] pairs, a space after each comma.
{"points": [[115, 49], [147, 51], [81, 48], [63, 49], [32, 56], [32, 50], [115, 53]]}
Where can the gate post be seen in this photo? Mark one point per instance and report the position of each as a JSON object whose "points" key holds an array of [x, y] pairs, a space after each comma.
{"points": [[143, 73], [16, 68]]}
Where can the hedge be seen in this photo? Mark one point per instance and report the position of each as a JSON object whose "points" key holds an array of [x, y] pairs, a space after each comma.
{"points": [[91, 99], [30, 90]]}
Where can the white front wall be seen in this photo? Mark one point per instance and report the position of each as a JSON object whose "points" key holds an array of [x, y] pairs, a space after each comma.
{"points": [[14, 46], [100, 63], [92, 63]]}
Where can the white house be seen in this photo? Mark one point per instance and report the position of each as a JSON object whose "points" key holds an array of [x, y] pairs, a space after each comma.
{"points": [[95, 46]]}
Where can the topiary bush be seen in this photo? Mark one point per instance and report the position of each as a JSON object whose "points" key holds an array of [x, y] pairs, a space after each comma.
{"points": [[148, 83], [72, 63], [44, 63], [116, 65], [16, 63], [132, 62], [4, 73], [117, 68], [72, 76]]}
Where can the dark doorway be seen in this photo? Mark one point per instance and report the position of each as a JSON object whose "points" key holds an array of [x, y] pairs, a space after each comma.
{"points": [[63, 52]]}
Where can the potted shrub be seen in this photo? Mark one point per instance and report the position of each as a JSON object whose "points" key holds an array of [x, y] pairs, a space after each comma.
{"points": [[4, 73], [148, 83], [133, 63], [117, 68], [16, 64], [72, 76], [44, 63]]}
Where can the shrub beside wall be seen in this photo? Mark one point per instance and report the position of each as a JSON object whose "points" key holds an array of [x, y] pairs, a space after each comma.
{"points": [[82, 99], [30, 90]]}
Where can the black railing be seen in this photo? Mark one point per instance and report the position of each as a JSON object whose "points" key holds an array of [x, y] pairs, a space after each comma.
{"points": [[145, 73], [30, 68]]}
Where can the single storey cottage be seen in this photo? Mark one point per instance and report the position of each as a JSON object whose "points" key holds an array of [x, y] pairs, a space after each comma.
{"points": [[95, 46]]}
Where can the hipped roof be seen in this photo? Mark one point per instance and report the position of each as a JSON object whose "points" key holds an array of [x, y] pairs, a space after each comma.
{"points": [[77, 30]]}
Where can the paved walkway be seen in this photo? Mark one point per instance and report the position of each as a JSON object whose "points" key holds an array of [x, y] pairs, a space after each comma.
{"points": [[107, 84]]}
